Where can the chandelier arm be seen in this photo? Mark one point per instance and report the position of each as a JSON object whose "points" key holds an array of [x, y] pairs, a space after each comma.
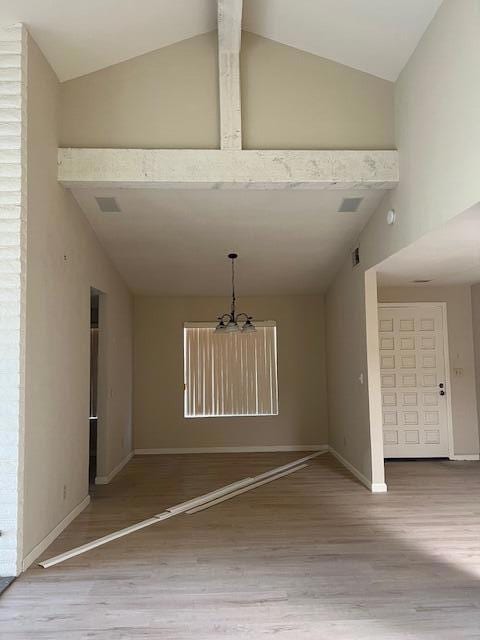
{"points": [[245, 315]]}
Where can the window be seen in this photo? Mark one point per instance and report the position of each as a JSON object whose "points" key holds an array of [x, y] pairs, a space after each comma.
{"points": [[230, 375]]}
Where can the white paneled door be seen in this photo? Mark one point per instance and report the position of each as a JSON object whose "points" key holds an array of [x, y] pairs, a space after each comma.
{"points": [[412, 368]]}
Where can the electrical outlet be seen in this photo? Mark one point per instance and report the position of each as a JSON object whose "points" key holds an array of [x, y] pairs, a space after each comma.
{"points": [[458, 372], [64, 491]]}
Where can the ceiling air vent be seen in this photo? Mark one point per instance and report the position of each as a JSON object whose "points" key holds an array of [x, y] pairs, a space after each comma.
{"points": [[350, 205], [107, 205]]}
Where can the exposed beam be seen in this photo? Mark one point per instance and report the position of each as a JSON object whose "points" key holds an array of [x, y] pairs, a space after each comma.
{"points": [[229, 15], [216, 169]]}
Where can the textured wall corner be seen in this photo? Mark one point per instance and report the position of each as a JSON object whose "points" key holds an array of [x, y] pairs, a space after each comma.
{"points": [[13, 244]]}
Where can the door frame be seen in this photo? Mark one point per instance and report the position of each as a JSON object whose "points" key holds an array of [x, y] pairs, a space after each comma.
{"points": [[446, 355], [102, 383]]}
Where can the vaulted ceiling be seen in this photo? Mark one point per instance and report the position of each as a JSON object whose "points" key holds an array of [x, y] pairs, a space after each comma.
{"points": [[375, 36], [174, 242]]}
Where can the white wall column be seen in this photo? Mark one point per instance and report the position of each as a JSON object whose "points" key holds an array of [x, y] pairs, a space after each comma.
{"points": [[13, 245], [374, 382]]}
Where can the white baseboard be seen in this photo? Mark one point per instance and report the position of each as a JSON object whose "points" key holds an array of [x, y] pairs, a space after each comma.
{"points": [[465, 456], [375, 487], [113, 473], [252, 449], [378, 487], [47, 541]]}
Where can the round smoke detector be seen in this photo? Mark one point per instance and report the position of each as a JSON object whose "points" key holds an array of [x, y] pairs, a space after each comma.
{"points": [[391, 216]]}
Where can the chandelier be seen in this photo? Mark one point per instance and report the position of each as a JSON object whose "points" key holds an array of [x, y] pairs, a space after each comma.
{"points": [[229, 322]]}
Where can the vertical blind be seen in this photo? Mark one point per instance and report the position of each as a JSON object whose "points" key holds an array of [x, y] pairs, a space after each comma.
{"points": [[231, 374]]}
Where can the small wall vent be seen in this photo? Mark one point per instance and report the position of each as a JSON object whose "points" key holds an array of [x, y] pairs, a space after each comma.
{"points": [[355, 257], [350, 205], [107, 204]]}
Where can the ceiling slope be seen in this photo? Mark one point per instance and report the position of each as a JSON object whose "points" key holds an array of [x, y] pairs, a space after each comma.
{"points": [[80, 37], [377, 36], [173, 242], [77, 38]]}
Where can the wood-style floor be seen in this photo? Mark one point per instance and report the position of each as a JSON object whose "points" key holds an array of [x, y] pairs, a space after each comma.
{"points": [[311, 556]]}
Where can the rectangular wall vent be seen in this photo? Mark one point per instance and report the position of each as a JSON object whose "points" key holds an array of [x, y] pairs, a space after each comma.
{"points": [[350, 205], [107, 204], [355, 257]]}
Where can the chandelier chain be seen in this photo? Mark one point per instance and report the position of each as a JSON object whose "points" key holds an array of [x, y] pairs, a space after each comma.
{"points": [[228, 322]]}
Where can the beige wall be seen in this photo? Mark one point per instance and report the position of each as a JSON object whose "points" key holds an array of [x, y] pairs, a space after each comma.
{"points": [[296, 100], [169, 98], [438, 136], [461, 353], [475, 293], [348, 408], [158, 375], [64, 260]]}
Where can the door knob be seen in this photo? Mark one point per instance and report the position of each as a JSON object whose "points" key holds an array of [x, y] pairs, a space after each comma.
{"points": [[442, 392]]}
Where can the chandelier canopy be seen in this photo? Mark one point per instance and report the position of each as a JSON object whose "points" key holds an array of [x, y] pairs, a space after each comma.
{"points": [[233, 322]]}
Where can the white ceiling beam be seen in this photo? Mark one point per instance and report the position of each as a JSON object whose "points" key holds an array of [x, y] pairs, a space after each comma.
{"points": [[229, 16], [216, 169]]}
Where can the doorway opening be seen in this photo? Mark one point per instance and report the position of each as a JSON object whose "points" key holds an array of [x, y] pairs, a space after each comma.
{"points": [[424, 372], [93, 415]]}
